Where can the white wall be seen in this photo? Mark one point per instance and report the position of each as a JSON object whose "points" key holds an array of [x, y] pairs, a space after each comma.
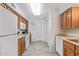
{"points": [[17, 8], [38, 29], [53, 27], [46, 29], [65, 6]]}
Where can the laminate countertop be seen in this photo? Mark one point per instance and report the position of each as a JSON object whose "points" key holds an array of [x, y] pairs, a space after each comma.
{"points": [[71, 39], [21, 35]]}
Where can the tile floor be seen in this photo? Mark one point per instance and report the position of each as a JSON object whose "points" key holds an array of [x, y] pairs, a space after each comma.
{"points": [[39, 48]]}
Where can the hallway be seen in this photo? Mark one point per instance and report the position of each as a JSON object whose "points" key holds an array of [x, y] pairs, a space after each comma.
{"points": [[39, 48]]}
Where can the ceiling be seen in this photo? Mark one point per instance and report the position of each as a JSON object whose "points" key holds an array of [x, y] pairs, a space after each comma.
{"points": [[25, 7]]}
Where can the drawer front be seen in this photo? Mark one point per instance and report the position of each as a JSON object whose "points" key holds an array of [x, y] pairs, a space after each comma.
{"points": [[69, 45]]}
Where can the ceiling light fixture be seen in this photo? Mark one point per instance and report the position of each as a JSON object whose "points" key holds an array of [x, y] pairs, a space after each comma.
{"points": [[35, 8]]}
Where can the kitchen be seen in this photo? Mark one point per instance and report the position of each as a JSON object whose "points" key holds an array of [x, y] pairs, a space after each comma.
{"points": [[57, 26]]}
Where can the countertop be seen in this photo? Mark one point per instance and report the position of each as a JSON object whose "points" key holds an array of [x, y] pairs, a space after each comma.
{"points": [[20, 36], [69, 38]]}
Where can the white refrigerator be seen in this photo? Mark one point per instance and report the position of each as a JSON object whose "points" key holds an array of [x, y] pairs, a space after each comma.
{"points": [[8, 33]]}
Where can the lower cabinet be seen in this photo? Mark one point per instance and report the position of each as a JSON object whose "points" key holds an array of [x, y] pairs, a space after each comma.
{"points": [[70, 49], [77, 51], [68, 52], [21, 46]]}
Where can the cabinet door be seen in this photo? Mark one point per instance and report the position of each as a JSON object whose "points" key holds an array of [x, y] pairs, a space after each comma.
{"points": [[69, 45], [68, 52], [61, 17], [23, 45], [27, 25], [77, 51], [68, 19], [77, 54], [75, 17], [63, 20], [19, 47]]}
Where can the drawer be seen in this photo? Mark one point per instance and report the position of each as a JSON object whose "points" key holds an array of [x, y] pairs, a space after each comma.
{"points": [[69, 45]]}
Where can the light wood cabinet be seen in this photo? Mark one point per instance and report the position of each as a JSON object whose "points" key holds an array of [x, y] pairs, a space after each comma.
{"points": [[69, 49], [70, 18], [63, 20], [27, 25], [21, 46], [77, 51], [68, 52]]}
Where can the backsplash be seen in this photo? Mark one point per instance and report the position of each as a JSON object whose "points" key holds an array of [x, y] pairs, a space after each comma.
{"points": [[72, 32]]}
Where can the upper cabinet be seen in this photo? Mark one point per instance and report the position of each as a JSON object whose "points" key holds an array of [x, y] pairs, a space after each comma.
{"points": [[22, 24], [70, 18]]}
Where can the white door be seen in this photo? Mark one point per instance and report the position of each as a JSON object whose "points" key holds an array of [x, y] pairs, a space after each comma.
{"points": [[38, 30]]}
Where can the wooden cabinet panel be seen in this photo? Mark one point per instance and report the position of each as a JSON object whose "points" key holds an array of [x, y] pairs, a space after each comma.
{"points": [[77, 51], [77, 48], [21, 46], [26, 25], [75, 17], [69, 45], [68, 52], [63, 22], [69, 49], [19, 22], [66, 21], [70, 18]]}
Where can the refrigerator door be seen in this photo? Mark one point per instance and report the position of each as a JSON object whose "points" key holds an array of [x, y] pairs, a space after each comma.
{"points": [[9, 46], [8, 22]]}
